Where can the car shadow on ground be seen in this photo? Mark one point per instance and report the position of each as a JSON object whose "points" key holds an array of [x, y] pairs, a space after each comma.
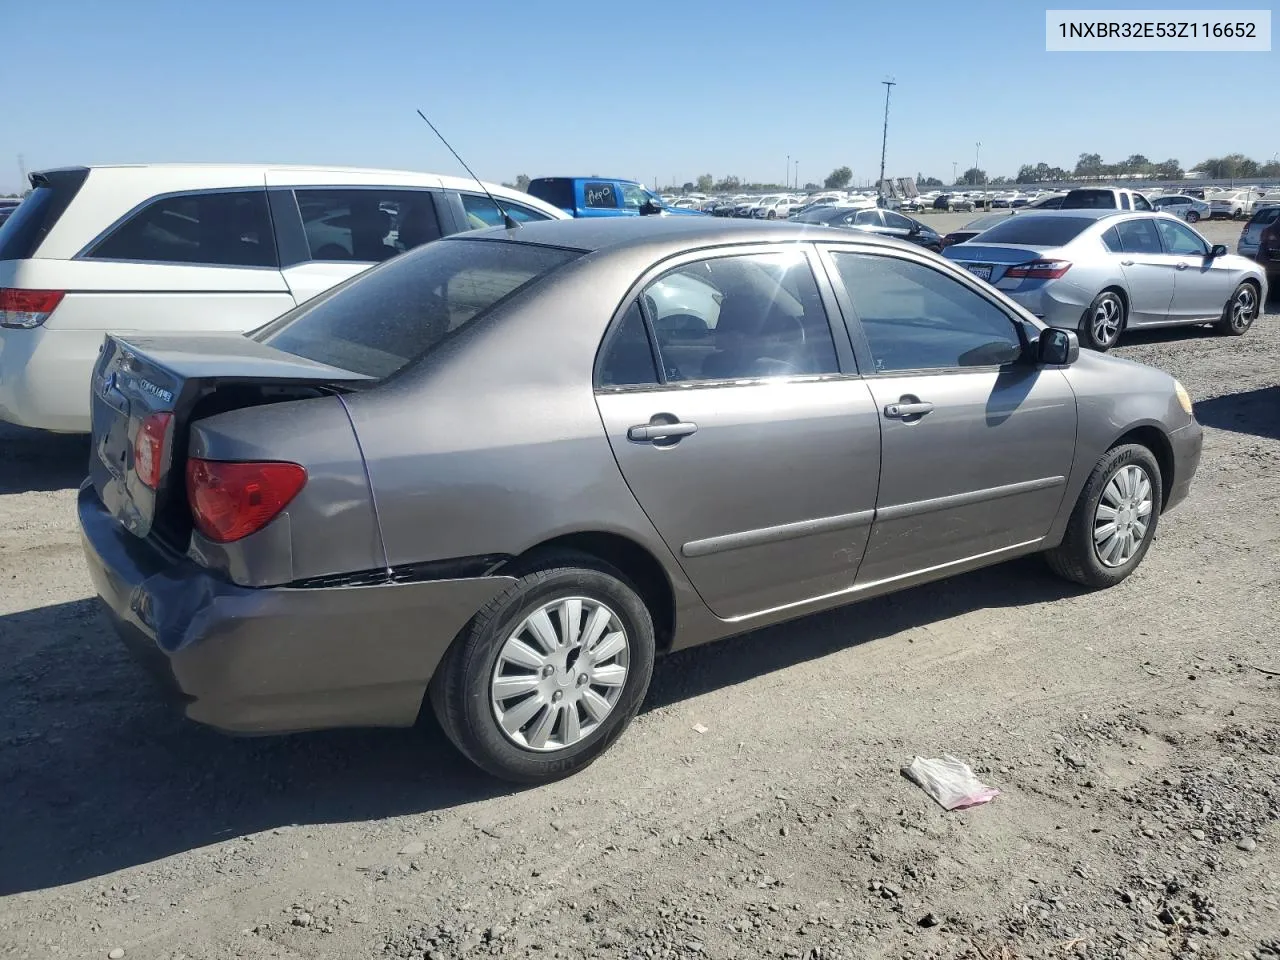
{"points": [[1253, 411], [32, 460], [99, 773]]}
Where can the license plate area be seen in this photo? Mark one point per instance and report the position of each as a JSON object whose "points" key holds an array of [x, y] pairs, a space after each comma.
{"points": [[980, 270]]}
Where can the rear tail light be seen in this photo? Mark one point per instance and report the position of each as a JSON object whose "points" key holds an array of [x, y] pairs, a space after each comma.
{"points": [[148, 448], [24, 309], [229, 501], [1039, 270]]}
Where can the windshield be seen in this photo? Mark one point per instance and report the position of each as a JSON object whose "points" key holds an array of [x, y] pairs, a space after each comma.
{"points": [[1036, 231], [378, 322]]}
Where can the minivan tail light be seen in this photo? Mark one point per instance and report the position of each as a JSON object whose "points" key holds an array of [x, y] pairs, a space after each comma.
{"points": [[1039, 270], [24, 309], [230, 500], [148, 448]]}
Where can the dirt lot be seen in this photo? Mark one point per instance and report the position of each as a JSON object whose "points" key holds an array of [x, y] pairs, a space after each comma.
{"points": [[1134, 735]]}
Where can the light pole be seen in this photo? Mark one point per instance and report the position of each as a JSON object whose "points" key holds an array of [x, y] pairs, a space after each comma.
{"points": [[797, 174], [884, 140], [786, 180], [977, 147], [953, 172]]}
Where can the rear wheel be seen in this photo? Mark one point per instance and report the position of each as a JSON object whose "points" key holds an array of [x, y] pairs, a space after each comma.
{"points": [[549, 673], [1103, 321], [1193, 217], [1114, 520], [1240, 312]]}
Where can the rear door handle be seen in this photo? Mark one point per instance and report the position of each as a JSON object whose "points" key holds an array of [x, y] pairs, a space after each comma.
{"points": [[1126, 263], [1182, 265], [900, 411], [657, 432]]}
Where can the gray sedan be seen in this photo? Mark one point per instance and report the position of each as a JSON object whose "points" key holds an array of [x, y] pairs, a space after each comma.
{"points": [[500, 473], [1104, 271]]}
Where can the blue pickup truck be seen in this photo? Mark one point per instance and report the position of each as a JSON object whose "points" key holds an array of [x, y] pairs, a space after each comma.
{"points": [[602, 197]]}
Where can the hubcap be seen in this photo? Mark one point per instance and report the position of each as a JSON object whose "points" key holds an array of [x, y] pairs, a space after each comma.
{"points": [[559, 674], [1123, 516], [1242, 308], [1106, 321]]}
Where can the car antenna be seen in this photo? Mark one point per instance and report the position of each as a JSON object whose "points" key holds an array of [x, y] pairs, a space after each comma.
{"points": [[507, 220]]}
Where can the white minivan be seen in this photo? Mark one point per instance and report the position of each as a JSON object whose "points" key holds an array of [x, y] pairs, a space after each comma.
{"points": [[160, 248]]}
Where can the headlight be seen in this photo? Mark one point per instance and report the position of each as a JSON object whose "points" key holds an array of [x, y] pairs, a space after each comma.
{"points": [[1184, 398]]}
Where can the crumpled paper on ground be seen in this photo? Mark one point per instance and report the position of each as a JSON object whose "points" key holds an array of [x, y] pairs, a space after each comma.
{"points": [[949, 781]]}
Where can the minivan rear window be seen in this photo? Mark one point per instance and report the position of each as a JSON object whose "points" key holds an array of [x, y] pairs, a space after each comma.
{"points": [[1036, 231], [27, 226], [379, 322]]}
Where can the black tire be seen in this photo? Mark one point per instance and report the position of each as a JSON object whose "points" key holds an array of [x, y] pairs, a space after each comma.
{"points": [[1094, 330], [1240, 312], [1076, 558], [1193, 217], [460, 690]]}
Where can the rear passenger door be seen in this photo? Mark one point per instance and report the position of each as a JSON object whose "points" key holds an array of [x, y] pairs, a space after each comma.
{"points": [[742, 427], [200, 261], [330, 233]]}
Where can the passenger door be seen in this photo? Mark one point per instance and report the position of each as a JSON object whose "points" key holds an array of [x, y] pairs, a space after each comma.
{"points": [[976, 442], [747, 439], [1203, 285], [329, 234], [1150, 274]]}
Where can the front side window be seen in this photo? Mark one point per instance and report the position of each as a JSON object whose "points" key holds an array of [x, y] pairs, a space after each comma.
{"points": [[918, 318], [741, 317], [896, 220], [599, 195], [483, 212], [866, 218], [1139, 236], [230, 229], [381, 320], [1181, 241], [633, 196], [1141, 203], [366, 225]]}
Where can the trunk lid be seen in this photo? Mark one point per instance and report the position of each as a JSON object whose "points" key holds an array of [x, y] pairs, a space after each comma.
{"points": [[990, 261], [180, 378]]}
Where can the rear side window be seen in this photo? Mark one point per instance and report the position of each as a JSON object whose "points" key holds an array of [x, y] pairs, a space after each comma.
{"points": [[1037, 231], [1111, 240], [25, 229], [231, 229], [1139, 236], [366, 225], [1264, 216], [483, 212], [378, 322], [556, 191], [599, 195]]}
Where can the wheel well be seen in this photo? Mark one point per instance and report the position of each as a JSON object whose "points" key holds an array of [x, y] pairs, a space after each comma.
{"points": [[1124, 298], [1257, 293], [1154, 440], [638, 564]]}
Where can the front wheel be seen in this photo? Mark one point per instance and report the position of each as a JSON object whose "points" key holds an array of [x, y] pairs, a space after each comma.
{"points": [[549, 673], [1240, 312], [1114, 519], [1193, 217], [1103, 321]]}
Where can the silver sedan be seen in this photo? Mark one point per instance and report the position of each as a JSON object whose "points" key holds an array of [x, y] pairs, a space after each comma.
{"points": [[1105, 271]]}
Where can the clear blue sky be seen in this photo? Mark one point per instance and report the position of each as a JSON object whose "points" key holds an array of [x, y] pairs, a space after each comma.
{"points": [[664, 88]]}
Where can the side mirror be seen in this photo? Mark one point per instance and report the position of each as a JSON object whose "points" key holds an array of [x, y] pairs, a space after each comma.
{"points": [[649, 208], [1218, 250], [1057, 348]]}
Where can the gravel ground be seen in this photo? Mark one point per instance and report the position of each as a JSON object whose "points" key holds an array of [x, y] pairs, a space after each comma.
{"points": [[1133, 734]]}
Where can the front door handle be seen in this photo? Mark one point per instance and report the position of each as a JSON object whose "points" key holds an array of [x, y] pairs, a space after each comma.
{"points": [[902, 410], [660, 433], [1182, 265], [1126, 263]]}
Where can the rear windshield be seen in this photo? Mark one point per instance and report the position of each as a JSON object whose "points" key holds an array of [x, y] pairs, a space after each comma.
{"points": [[1036, 231], [1089, 200], [26, 227], [378, 322]]}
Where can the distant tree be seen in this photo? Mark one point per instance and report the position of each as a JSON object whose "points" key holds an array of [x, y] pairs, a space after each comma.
{"points": [[1000, 181], [973, 177], [1089, 165], [1138, 164], [728, 185], [522, 182], [706, 183], [929, 182], [812, 187], [838, 179], [1169, 170], [1229, 167], [1026, 174], [1270, 169], [688, 186]]}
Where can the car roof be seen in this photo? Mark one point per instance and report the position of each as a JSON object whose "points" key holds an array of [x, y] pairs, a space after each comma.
{"points": [[1093, 214], [677, 233]]}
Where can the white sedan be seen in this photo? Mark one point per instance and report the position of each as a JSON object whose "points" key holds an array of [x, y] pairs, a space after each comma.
{"points": [[1188, 208]]}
